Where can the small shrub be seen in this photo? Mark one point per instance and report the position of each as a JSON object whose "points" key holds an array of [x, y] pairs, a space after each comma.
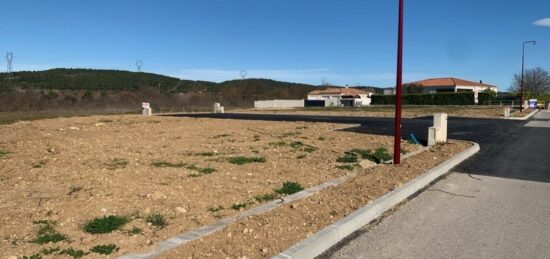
{"points": [[50, 250], [296, 144], [164, 164], [117, 163], [135, 231], [3, 153], [277, 144], [381, 154], [215, 208], [34, 256], [309, 149], [208, 154], [364, 153], [72, 252], [105, 224], [347, 158], [74, 189], [266, 197], [241, 160], [239, 206], [321, 138], [40, 164], [157, 220], [104, 249], [47, 234], [333, 213], [222, 136], [289, 188], [205, 170]]}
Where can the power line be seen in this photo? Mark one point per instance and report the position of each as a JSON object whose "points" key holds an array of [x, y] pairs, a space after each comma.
{"points": [[243, 73], [139, 64], [9, 61]]}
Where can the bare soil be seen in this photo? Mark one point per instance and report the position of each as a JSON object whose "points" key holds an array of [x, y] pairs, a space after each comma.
{"points": [[267, 235], [389, 111], [69, 171]]}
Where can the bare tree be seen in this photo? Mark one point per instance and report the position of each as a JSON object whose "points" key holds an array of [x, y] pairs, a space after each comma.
{"points": [[536, 81]]}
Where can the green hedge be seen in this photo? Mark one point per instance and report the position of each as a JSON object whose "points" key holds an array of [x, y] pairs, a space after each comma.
{"points": [[433, 99]]}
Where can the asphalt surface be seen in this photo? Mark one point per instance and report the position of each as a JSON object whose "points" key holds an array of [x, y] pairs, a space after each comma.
{"points": [[494, 205]]}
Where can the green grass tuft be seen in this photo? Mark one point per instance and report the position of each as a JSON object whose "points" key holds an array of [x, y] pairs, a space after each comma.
{"points": [[381, 155], [164, 164], [289, 188], [117, 163], [277, 144], [34, 256], [348, 158], [104, 249], [309, 149], [266, 197], [3, 153], [215, 208], [347, 167], [321, 138], [239, 206], [205, 170], [222, 136], [47, 234], [241, 160], [207, 154], [74, 189], [157, 220], [50, 250], [135, 231], [72, 252], [105, 224]]}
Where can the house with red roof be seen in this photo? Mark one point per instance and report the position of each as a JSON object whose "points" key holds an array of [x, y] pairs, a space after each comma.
{"points": [[453, 85]]}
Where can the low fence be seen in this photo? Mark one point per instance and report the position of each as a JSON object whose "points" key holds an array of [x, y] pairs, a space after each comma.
{"points": [[279, 104]]}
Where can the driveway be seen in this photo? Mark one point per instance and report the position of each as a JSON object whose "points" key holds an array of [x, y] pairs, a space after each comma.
{"points": [[494, 205]]}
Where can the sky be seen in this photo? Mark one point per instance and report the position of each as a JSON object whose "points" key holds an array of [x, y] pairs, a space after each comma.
{"points": [[338, 41]]}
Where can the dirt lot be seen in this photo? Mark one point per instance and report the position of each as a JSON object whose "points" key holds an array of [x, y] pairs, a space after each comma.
{"points": [[389, 111], [266, 235], [163, 175]]}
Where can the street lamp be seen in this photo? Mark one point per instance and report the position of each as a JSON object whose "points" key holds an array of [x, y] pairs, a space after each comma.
{"points": [[522, 69], [398, 86]]}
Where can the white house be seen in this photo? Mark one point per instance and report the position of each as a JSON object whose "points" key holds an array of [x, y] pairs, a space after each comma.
{"points": [[341, 96], [451, 84]]}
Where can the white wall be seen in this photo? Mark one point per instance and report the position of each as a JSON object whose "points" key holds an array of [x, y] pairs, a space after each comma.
{"points": [[279, 104]]}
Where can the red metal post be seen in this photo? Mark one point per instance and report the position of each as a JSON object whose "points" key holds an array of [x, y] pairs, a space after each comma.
{"points": [[521, 84], [398, 86]]}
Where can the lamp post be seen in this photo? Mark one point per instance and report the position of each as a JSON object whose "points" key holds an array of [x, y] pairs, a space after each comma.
{"points": [[398, 86], [522, 69]]}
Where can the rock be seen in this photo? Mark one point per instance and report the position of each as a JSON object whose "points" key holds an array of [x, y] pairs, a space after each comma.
{"points": [[74, 128], [181, 210], [149, 242], [103, 210], [366, 164], [294, 206], [264, 250]]}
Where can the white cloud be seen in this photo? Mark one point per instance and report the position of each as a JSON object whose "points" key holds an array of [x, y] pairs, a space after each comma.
{"points": [[543, 22]]}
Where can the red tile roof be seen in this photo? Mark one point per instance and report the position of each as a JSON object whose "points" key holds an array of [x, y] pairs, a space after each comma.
{"points": [[340, 90], [450, 81]]}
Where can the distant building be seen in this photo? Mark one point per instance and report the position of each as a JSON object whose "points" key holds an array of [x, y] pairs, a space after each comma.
{"points": [[338, 96], [453, 85]]}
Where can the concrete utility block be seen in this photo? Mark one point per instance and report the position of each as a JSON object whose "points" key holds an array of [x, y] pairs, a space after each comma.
{"points": [[506, 112], [147, 111], [218, 108], [440, 122], [432, 131]]}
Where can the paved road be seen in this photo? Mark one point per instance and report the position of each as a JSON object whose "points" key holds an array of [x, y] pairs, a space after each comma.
{"points": [[494, 205]]}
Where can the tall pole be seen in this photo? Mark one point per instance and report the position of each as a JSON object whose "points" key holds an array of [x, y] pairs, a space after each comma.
{"points": [[522, 69], [398, 86]]}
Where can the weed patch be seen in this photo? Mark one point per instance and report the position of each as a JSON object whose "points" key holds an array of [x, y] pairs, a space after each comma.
{"points": [[277, 144], [309, 149], [239, 206], [164, 164], [117, 163], [241, 160], [289, 188], [215, 208], [105, 224], [378, 156], [104, 249], [157, 220], [207, 154], [348, 158], [74, 253], [34, 256], [135, 231], [51, 250], [301, 157], [222, 136], [47, 234], [40, 164], [266, 197], [321, 138], [347, 167], [205, 170], [3, 153]]}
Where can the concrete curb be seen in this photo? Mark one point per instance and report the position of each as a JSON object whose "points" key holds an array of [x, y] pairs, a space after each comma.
{"points": [[526, 117], [329, 236]]}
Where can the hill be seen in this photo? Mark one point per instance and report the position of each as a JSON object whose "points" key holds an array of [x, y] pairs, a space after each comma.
{"points": [[102, 89]]}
